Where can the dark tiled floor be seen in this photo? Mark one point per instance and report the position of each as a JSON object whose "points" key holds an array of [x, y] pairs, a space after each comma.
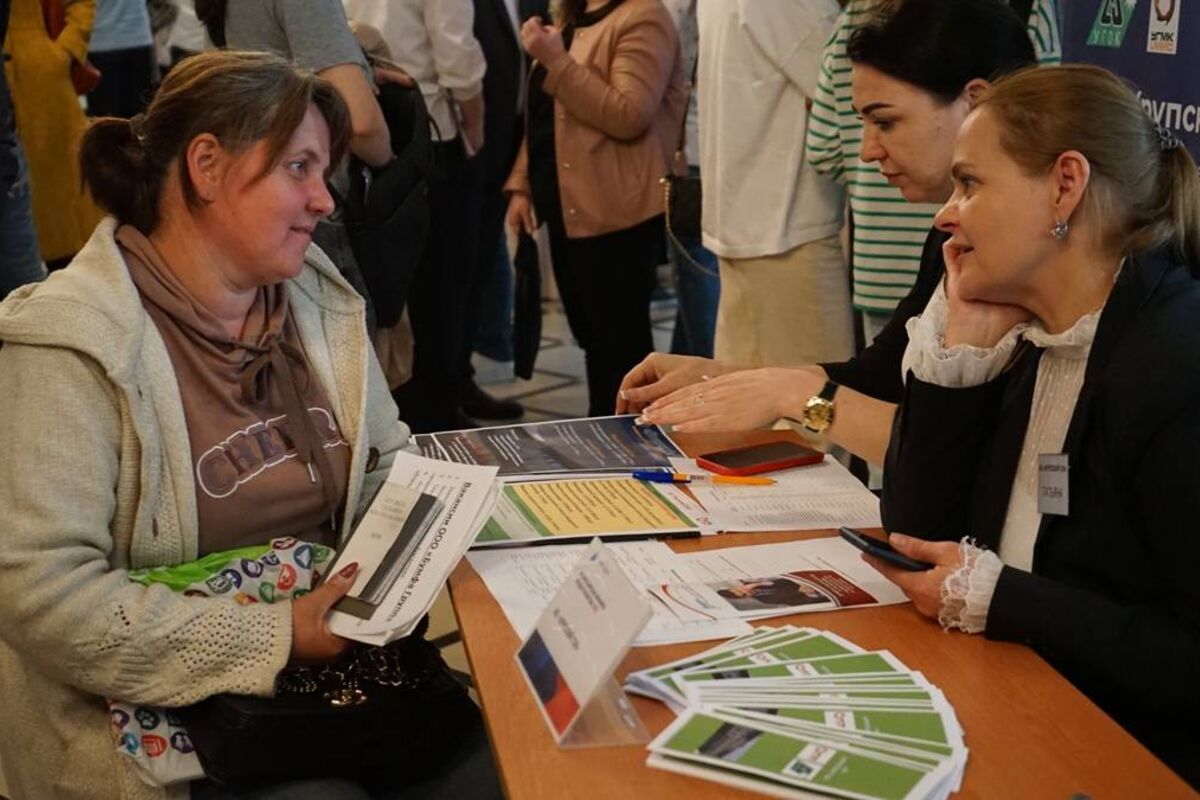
{"points": [[558, 389]]}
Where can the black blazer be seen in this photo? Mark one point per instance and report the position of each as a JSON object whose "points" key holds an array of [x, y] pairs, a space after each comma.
{"points": [[502, 81], [1113, 601]]}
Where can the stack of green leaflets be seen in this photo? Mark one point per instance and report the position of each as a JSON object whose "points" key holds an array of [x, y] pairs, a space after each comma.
{"points": [[791, 711]]}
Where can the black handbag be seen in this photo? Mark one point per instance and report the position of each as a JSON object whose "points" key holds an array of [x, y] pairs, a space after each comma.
{"points": [[396, 709], [683, 198], [527, 306]]}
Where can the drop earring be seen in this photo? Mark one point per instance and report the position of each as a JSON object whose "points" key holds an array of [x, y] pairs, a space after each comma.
{"points": [[1060, 230]]}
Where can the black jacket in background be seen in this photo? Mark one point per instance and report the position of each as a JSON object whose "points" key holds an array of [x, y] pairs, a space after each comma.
{"points": [[502, 81], [876, 370], [1113, 601]]}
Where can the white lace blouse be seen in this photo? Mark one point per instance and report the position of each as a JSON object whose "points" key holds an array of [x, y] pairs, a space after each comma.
{"points": [[967, 592]]}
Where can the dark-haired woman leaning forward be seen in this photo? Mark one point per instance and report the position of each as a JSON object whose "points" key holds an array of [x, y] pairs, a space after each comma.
{"points": [[197, 312], [915, 70]]}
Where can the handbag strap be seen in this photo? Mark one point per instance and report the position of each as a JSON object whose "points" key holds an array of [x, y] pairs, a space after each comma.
{"points": [[686, 104]]}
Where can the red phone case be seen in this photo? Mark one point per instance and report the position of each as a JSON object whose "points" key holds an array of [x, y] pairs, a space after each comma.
{"points": [[799, 460]]}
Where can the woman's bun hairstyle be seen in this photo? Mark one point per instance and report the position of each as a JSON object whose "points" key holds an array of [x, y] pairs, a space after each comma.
{"points": [[116, 172]]}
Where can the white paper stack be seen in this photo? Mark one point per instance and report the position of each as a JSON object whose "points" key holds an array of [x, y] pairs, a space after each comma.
{"points": [[792, 711], [813, 497], [463, 496], [524, 579]]}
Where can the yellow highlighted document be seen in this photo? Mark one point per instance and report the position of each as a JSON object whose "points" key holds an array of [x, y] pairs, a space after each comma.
{"points": [[583, 507]]}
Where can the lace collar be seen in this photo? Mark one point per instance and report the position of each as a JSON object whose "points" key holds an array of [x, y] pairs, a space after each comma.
{"points": [[1074, 342]]}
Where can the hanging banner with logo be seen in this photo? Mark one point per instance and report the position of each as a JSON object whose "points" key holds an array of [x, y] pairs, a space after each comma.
{"points": [[1155, 44]]}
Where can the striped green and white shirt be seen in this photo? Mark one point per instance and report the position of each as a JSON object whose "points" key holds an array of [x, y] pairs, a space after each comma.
{"points": [[889, 232]]}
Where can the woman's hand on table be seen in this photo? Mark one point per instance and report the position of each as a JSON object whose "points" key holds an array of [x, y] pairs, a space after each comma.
{"points": [[542, 42], [312, 641], [974, 322], [660, 374], [924, 589], [739, 401]]}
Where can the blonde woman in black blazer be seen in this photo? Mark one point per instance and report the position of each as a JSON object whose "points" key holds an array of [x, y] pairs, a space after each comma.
{"points": [[1065, 333]]}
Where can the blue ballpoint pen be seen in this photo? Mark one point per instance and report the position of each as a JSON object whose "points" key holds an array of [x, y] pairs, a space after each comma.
{"points": [[656, 476]]}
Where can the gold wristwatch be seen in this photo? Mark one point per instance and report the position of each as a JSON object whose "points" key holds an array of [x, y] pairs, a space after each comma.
{"points": [[819, 410]]}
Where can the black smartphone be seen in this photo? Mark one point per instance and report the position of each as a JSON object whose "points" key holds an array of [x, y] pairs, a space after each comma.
{"points": [[884, 551]]}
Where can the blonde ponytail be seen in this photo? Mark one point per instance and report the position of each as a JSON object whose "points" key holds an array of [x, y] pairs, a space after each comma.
{"points": [[1183, 187], [1145, 193]]}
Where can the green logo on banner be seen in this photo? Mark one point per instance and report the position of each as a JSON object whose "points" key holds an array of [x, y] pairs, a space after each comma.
{"points": [[1112, 20]]}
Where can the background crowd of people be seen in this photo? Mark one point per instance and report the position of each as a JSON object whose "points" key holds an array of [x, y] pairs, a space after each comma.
{"points": [[751, 98]]}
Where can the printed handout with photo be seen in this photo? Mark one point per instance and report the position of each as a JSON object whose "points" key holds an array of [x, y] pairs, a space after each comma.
{"points": [[730, 742], [596, 444], [791, 590], [766, 594], [381, 571]]}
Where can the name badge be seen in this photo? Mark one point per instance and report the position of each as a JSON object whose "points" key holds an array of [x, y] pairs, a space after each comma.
{"points": [[1053, 472]]}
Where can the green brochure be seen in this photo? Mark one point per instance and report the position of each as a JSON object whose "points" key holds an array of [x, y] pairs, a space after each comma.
{"points": [[798, 760]]}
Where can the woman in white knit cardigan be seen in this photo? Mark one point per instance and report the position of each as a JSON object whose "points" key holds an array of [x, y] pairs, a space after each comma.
{"points": [[214, 192]]}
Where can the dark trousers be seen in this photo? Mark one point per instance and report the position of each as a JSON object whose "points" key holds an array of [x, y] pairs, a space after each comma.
{"points": [[126, 82], [438, 298], [480, 286], [605, 283], [494, 333], [489, 298]]}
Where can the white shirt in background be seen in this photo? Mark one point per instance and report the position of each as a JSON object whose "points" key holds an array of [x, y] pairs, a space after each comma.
{"points": [[434, 43], [758, 67], [188, 32]]}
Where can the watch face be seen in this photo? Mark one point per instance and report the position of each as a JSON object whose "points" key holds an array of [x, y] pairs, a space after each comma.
{"points": [[818, 414]]}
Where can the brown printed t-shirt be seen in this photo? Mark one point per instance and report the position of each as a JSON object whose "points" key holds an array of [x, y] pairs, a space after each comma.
{"points": [[251, 482]]}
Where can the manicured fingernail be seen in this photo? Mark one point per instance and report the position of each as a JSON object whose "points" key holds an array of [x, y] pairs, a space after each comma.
{"points": [[642, 420], [898, 538], [348, 570], [623, 395]]}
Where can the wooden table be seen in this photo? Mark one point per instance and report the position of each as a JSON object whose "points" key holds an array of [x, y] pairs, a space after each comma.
{"points": [[1031, 733]]}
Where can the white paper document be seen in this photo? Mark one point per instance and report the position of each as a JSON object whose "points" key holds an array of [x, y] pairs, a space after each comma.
{"points": [[523, 580], [464, 493], [697, 596], [771, 580], [819, 496]]}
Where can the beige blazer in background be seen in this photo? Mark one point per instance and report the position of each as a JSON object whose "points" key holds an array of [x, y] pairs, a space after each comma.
{"points": [[619, 99]]}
